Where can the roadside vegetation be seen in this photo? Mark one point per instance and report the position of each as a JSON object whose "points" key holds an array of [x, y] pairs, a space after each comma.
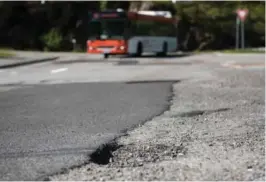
{"points": [[6, 53], [204, 25]]}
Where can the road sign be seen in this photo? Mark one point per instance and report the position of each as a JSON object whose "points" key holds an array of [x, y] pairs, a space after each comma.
{"points": [[242, 14]]}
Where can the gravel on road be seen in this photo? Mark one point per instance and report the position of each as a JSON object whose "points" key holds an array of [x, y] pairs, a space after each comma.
{"points": [[214, 130]]}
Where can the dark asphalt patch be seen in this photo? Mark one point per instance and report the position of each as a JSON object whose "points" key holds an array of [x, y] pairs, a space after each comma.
{"points": [[41, 124]]}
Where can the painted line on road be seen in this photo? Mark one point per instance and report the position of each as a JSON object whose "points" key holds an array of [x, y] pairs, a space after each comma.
{"points": [[228, 63], [59, 70]]}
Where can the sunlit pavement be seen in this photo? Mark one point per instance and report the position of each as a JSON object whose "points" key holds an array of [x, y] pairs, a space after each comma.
{"points": [[54, 114]]}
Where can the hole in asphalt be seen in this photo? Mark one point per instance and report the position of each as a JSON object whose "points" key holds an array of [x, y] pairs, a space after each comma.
{"points": [[104, 153], [200, 112]]}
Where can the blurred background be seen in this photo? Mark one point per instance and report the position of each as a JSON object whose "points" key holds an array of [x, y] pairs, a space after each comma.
{"points": [[52, 25]]}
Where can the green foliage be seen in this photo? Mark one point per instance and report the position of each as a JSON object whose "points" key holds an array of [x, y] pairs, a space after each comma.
{"points": [[203, 25], [103, 5], [6, 53], [211, 25], [52, 40]]}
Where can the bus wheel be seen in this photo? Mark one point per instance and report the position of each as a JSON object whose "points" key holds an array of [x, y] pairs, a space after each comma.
{"points": [[139, 50], [106, 56]]}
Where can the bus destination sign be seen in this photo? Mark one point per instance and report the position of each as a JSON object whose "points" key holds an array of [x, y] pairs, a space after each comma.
{"points": [[104, 15]]}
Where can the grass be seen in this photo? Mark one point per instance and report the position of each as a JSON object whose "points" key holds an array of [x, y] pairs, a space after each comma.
{"points": [[6, 53]]}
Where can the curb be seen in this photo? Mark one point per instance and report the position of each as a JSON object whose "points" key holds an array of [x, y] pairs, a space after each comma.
{"points": [[34, 61]]}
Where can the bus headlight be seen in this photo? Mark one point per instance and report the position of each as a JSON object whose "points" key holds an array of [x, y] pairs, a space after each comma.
{"points": [[122, 47]]}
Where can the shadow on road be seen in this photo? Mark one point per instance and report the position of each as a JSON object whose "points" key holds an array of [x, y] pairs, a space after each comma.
{"points": [[152, 81], [126, 58], [172, 55]]}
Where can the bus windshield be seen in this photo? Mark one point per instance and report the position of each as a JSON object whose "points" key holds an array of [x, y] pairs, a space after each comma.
{"points": [[107, 29]]}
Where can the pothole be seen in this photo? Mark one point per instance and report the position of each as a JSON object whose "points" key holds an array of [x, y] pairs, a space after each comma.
{"points": [[104, 153], [200, 112], [136, 155]]}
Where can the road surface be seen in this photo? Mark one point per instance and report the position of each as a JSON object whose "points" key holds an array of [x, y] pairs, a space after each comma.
{"points": [[54, 115]]}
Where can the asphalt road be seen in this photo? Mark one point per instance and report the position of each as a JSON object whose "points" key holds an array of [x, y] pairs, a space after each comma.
{"points": [[45, 128], [213, 131], [54, 115]]}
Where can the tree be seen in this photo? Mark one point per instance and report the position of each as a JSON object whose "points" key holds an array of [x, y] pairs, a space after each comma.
{"points": [[202, 25]]}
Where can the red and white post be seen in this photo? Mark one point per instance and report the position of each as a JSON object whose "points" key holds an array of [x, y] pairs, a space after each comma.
{"points": [[241, 17]]}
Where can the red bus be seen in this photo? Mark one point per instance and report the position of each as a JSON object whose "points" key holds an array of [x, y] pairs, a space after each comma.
{"points": [[120, 32]]}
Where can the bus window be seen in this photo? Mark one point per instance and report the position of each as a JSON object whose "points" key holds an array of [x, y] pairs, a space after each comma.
{"points": [[115, 28], [109, 28], [128, 29], [144, 28], [95, 29]]}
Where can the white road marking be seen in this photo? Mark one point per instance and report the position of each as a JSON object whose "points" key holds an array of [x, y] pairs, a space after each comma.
{"points": [[228, 63], [218, 54], [59, 70]]}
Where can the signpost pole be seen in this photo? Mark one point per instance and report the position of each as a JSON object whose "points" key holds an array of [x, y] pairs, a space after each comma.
{"points": [[242, 14], [243, 35], [237, 32]]}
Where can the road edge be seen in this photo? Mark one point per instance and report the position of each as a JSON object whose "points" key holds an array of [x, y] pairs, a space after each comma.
{"points": [[29, 62], [103, 153]]}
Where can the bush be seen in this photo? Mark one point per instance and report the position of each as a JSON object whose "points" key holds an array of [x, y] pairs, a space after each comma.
{"points": [[52, 40]]}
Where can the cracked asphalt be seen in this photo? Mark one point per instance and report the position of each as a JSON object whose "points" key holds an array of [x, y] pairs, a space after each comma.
{"points": [[54, 115]]}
